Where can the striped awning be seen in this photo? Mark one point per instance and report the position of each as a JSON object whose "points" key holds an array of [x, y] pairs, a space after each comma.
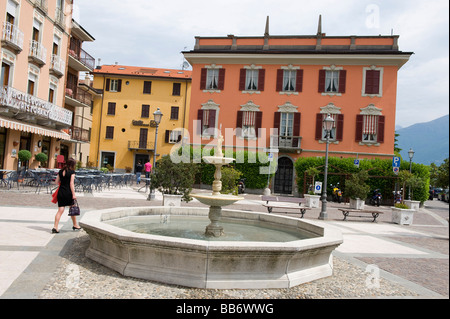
{"points": [[249, 118], [35, 129], [370, 124]]}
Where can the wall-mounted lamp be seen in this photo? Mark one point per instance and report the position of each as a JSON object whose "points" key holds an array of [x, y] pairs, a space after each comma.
{"points": [[15, 143], [56, 149]]}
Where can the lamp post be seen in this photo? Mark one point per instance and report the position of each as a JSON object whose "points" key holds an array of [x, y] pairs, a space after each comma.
{"points": [[327, 126], [157, 116], [411, 155]]}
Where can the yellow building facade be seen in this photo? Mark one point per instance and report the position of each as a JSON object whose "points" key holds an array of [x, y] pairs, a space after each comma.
{"points": [[123, 130]]}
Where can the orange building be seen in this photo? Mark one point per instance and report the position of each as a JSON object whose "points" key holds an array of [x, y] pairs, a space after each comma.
{"points": [[273, 92]]}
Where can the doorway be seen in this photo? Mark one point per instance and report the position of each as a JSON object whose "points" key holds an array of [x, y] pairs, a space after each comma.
{"points": [[284, 176], [143, 158]]}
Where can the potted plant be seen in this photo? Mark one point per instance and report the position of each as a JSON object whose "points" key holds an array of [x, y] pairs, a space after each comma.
{"points": [[312, 199], [173, 180], [24, 156], [230, 177], [357, 189], [41, 158], [413, 182], [402, 214]]}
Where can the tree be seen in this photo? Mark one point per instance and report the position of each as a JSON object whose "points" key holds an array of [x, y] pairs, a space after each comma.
{"points": [[356, 187], [440, 175]]}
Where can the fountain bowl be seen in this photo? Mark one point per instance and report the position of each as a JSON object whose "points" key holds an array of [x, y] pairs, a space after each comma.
{"points": [[216, 264], [218, 160], [216, 200]]}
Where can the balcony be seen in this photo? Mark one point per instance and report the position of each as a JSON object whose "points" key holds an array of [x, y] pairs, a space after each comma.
{"points": [[14, 103], [289, 144], [37, 53], [143, 146], [57, 66], [41, 4], [81, 61], [78, 98], [79, 134], [60, 18], [12, 37]]}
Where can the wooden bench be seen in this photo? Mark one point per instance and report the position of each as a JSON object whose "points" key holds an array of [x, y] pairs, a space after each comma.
{"points": [[285, 203], [347, 211]]}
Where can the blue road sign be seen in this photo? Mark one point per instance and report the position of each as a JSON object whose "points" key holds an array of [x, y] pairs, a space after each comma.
{"points": [[356, 162], [396, 161]]}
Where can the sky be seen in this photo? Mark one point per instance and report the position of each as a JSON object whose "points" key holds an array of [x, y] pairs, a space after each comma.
{"points": [[153, 33]]}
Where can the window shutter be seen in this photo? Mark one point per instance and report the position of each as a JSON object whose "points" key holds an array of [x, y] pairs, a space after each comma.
{"points": [[359, 127], [342, 78], [148, 87], [261, 78], [221, 79], [380, 133], [319, 118], [242, 80], [258, 122], [199, 122], [240, 115], [321, 81], [340, 127], [119, 85], [299, 81], [279, 80], [372, 82], [203, 79], [297, 117], [108, 81], [211, 122], [167, 137], [276, 122]]}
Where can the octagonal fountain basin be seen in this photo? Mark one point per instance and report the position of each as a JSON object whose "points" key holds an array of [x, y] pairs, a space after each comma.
{"points": [[168, 245]]}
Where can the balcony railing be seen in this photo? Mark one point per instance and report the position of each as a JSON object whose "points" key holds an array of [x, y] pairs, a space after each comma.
{"points": [[60, 17], [79, 95], [17, 102], [37, 53], [138, 145], [41, 4], [286, 143], [85, 58], [57, 65], [78, 134], [12, 36]]}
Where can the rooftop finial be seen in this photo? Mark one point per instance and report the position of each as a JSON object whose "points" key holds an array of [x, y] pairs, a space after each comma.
{"points": [[319, 29], [266, 32]]}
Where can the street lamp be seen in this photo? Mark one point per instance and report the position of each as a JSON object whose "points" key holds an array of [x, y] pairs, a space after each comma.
{"points": [[411, 155], [327, 126], [157, 116]]}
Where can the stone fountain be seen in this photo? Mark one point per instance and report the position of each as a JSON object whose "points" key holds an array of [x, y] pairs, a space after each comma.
{"points": [[216, 200], [169, 244]]}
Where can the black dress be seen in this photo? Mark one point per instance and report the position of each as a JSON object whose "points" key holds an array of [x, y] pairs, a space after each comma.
{"points": [[65, 193]]}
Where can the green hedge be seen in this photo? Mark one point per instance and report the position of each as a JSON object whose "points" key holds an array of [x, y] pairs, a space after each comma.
{"points": [[375, 167]]}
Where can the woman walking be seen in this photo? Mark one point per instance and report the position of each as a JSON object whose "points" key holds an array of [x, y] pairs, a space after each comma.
{"points": [[66, 193]]}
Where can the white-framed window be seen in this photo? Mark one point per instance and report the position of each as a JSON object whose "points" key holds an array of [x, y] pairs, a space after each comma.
{"points": [[248, 124], [32, 84], [212, 79], [251, 80], [372, 85], [370, 128], [331, 81], [289, 80], [114, 86], [286, 124], [175, 136]]}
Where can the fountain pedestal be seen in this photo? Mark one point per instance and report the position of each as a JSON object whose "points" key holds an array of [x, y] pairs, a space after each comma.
{"points": [[214, 229]]}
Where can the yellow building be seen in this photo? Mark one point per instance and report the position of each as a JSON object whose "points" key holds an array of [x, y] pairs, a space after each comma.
{"points": [[123, 130]]}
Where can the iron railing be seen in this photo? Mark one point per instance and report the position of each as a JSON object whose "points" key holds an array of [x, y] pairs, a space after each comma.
{"points": [[12, 35], [139, 145]]}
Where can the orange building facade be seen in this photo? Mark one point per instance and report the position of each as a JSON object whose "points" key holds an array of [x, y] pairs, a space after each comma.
{"points": [[273, 92]]}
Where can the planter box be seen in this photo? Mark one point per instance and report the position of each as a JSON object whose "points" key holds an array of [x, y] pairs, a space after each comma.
{"points": [[412, 204], [172, 200], [357, 203], [312, 201], [402, 216]]}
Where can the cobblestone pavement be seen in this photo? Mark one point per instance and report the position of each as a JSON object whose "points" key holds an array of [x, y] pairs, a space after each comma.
{"points": [[412, 260]]}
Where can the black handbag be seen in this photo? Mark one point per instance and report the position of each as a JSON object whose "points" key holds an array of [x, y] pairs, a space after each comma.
{"points": [[74, 210]]}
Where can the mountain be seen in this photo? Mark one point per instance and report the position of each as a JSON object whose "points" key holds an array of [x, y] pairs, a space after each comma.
{"points": [[428, 140]]}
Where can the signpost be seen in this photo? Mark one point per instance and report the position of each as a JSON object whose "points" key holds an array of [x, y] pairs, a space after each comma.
{"points": [[318, 187], [356, 162], [396, 164]]}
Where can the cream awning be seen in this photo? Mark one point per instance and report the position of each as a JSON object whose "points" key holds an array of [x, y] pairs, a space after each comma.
{"points": [[35, 129]]}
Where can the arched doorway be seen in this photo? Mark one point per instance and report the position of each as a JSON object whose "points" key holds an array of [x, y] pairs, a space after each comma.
{"points": [[284, 176]]}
